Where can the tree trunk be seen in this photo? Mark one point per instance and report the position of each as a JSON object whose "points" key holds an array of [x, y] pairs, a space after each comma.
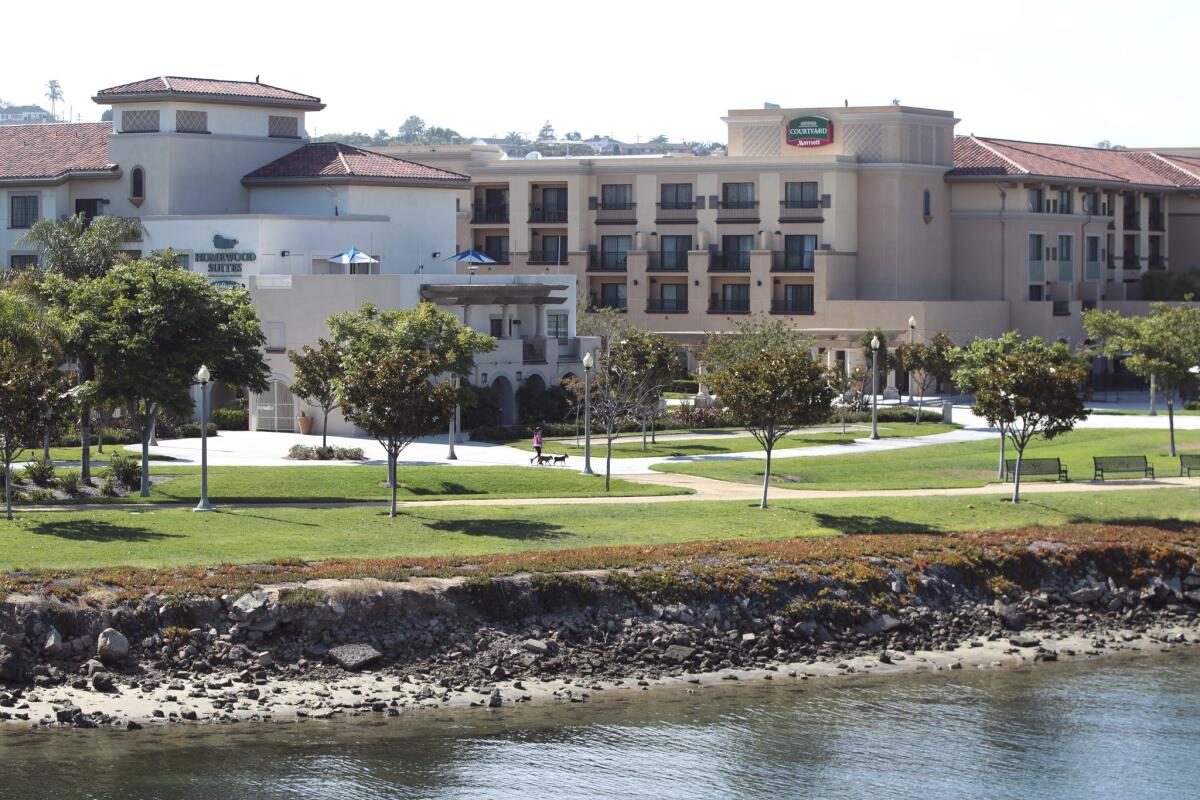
{"points": [[324, 426], [86, 373], [1003, 440], [843, 407], [643, 434], [653, 430], [1017, 477], [145, 492], [392, 478], [920, 397], [766, 478], [1171, 419], [608, 460], [8, 478]]}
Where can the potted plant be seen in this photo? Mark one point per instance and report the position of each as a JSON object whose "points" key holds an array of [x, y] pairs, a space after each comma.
{"points": [[305, 423]]}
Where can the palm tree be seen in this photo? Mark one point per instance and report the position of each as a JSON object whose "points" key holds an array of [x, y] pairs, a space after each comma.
{"points": [[53, 94]]}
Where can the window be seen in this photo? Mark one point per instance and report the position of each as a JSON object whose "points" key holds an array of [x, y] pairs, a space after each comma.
{"points": [[798, 251], [183, 260], [1036, 200], [191, 121], [555, 201], [139, 121], [616, 196], [137, 185], [556, 326], [90, 208], [1066, 258], [676, 196], [735, 251], [1065, 201], [496, 248], [674, 250], [1036, 292], [554, 249], [22, 260], [276, 342], [798, 298], [1093, 248], [496, 327], [614, 251], [1036, 247], [800, 194], [23, 210], [927, 205], [613, 295], [735, 297], [737, 195], [283, 127], [673, 296]]}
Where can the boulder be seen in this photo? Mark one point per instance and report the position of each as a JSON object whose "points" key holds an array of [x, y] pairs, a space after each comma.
{"points": [[249, 605], [103, 682], [678, 653], [495, 700], [535, 646], [1193, 596], [1086, 595], [11, 667], [353, 657], [112, 646], [884, 623], [54, 643]]}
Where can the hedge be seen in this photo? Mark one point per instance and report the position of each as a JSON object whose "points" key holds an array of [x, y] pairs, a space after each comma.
{"points": [[685, 386], [231, 419]]}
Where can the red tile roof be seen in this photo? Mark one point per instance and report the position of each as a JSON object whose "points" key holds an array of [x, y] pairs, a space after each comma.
{"points": [[977, 155], [334, 160], [42, 152], [175, 85]]}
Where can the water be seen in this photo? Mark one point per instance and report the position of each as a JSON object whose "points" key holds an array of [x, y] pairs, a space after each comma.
{"points": [[1123, 728]]}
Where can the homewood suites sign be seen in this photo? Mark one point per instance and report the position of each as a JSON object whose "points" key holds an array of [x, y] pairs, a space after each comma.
{"points": [[809, 131], [224, 263]]}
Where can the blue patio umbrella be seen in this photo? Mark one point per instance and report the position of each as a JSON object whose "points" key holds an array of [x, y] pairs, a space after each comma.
{"points": [[472, 258], [352, 256]]}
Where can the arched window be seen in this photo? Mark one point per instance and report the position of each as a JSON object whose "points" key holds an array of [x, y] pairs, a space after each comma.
{"points": [[137, 186]]}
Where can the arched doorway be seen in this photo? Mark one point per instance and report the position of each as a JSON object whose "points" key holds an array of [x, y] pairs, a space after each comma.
{"points": [[275, 409], [508, 400]]}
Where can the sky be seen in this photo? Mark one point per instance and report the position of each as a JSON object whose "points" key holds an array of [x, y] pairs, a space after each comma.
{"points": [[1055, 70]]}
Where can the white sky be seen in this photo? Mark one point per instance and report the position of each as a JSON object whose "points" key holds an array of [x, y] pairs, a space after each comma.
{"points": [[1051, 70]]}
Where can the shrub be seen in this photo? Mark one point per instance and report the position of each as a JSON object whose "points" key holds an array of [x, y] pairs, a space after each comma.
{"points": [[116, 436], [300, 452], [480, 406], [684, 386], [891, 414], [1192, 405], [231, 419], [110, 487], [688, 415], [36, 496], [70, 483], [541, 403], [124, 469], [191, 430], [301, 597], [348, 453], [40, 472]]}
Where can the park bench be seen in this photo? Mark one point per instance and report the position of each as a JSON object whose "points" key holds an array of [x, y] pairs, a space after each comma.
{"points": [[1035, 466], [1106, 464], [1188, 463]]}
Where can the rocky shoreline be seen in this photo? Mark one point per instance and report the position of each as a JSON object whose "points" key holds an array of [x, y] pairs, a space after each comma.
{"points": [[326, 648]]}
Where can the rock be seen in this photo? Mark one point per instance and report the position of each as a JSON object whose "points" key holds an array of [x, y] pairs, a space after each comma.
{"points": [[535, 646], [112, 646], [132, 726], [884, 658], [495, 701], [54, 643], [249, 605], [103, 682], [884, 623], [1086, 595], [265, 659], [1193, 596], [11, 666], [67, 714], [353, 657], [92, 666], [678, 653], [1024, 641], [1011, 617]]}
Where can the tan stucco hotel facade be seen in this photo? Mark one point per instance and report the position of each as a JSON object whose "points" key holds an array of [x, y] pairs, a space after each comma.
{"points": [[840, 219]]}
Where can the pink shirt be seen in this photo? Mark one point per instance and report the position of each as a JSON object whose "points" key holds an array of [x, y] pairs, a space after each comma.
{"points": [[537, 439]]}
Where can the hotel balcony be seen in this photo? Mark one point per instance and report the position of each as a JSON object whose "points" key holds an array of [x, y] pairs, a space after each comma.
{"points": [[1093, 271], [1066, 272], [667, 261], [616, 214], [596, 303], [1132, 222], [489, 214], [723, 305], [1062, 308], [607, 261], [737, 211], [784, 306], [542, 260], [659, 305], [553, 214], [1158, 221], [729, 261], [675, 213], [800, 211], [499, 256], [1156, 262], [784, 261]]}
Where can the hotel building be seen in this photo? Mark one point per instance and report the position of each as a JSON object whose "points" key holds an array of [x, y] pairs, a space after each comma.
{"points": [[839, 220]]}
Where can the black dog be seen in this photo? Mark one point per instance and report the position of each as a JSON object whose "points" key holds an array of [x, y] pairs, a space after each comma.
{"points": [[559, 459], [539, 460]]}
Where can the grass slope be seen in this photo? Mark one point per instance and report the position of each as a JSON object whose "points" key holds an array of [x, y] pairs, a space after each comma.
{"points": [[149, 537], [946, 465]]}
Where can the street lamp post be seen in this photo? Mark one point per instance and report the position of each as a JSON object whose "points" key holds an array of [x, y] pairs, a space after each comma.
{"points": [[202, 375], [453, 422], [874, 387], [587, 414], [912, 333]]}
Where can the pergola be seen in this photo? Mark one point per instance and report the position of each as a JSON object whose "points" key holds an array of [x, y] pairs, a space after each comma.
{"points": [[505, 295]]}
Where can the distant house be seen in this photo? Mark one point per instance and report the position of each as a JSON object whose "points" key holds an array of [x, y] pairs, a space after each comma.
{"points": [[23, 115]]}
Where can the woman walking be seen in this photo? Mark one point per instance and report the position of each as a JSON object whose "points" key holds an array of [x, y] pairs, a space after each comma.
{"points": [[537, 442]]}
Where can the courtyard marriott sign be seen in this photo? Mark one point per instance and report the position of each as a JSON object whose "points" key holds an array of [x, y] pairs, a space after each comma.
{"points": [[810, 131]]}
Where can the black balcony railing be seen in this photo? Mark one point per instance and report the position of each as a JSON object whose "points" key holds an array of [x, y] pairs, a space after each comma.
{"points": [[1131, 261], [667, 261], [729, 261], [799, 209], [540, 213], [499, 256], [1156, 262], [785, 306], [490, 213], [533, 351], [729, 305], [1062, 308], [543, 260], [614, 260], [1158, 221], [675, 212], [667, 305], [1132, 222], [792, 261], [614, 303], [616, 213], [737, 211]]}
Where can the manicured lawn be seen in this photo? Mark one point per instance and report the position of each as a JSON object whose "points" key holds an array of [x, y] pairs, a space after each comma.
{"points": [[366, 483], [717, 445], [946, 465], [166, 537], [1162, 412]]}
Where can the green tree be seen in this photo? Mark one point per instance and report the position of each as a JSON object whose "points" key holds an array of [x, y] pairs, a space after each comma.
{"points": [[969, 365], [842, 383], [546, 133], [391, 395], [660, 139], [31, 391], [72, 250], [150, 326], [54, 94], [574, 136], [440, 334], [412, 130], [752, 336], [515, 137], [926, 363], [772, 394], [1033, 390], [1164, 346], [317, 370], [438, 135]]}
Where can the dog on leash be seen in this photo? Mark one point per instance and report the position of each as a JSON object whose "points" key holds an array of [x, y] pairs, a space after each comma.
{"points": [[556, 460], [539, 460]]}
